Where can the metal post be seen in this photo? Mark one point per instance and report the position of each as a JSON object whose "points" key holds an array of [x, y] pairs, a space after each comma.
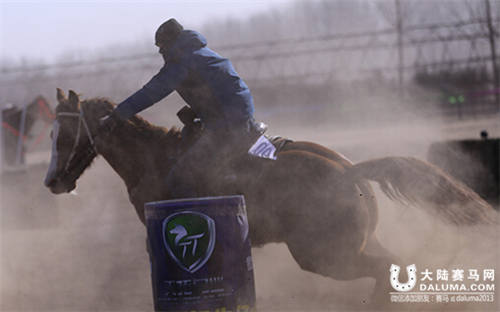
{"points": [[399, 26], [2, 147], [491, 35], [20, 140]]}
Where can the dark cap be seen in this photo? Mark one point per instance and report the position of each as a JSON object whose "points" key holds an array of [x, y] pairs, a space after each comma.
{"points": [[168, 32]]}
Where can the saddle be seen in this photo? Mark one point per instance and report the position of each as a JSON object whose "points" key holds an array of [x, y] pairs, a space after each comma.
{"points": [[193, 128]]}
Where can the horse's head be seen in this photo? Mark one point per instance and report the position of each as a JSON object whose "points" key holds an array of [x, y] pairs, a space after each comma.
{"points": [[73, 148]]}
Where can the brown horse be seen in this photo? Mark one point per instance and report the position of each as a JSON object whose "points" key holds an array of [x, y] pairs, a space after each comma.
{"points": [[311, 198]]}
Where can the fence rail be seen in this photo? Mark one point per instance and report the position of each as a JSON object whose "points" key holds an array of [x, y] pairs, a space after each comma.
{"points": [[348, 56]]}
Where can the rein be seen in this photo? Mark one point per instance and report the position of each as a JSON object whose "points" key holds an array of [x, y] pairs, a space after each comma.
{"points": [[81, 120]]}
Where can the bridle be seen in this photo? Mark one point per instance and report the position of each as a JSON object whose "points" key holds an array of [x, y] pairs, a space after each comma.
{"points": [[91, 152]]}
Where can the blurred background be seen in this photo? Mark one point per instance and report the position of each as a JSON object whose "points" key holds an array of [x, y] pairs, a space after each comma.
{"points": [[346, 61], [366, 78]]}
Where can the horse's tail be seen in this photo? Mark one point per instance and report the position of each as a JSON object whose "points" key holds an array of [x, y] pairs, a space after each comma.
{"points": [[412, 181]]}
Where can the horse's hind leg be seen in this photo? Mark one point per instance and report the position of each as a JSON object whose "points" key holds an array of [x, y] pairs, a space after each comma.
{"points": [[378, 268], [347, 266]]}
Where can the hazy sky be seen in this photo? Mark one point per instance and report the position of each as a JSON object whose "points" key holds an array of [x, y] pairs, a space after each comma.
{"points": [[44, 29]]}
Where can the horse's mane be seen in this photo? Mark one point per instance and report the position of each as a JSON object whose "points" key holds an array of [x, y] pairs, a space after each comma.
{"points": [[136, 126]]}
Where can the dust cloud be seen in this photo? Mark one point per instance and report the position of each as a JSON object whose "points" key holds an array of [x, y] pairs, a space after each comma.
{"points": [[410, 234], [87, 252]]}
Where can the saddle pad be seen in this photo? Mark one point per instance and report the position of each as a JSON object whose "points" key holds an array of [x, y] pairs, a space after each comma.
{"points": [[268, 147]]}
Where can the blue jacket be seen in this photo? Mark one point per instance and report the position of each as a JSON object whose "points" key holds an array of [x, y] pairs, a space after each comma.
{"points": [[205, 80]]}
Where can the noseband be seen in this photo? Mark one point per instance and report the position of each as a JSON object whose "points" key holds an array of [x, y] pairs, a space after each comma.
{"points": [[90, 152]]}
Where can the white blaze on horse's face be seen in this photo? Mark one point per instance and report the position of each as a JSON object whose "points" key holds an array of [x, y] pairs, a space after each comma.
{"points": [[63, 139], [55, 179], [51, 173], [71, 140]]}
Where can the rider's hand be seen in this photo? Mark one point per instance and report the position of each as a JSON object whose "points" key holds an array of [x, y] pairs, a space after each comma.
{"points": [[107, 124]]}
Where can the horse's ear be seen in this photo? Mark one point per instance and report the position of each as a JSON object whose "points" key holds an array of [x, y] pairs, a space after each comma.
{"points": [[74, 100], [60, 95]]}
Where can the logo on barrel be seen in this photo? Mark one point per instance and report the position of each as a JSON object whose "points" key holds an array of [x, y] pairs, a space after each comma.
{"points": [[189, 238]]}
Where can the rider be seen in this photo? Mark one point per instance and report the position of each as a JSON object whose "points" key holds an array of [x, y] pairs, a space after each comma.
{"points": [[215, 93]]}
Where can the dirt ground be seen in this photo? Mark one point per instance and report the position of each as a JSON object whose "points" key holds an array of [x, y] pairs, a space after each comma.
{"points": [[86, 252]]}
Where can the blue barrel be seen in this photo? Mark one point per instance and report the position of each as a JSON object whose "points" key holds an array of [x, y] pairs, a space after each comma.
{"points": [[200, 254]]}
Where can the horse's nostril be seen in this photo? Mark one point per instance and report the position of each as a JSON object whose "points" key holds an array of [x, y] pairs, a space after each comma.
{"points": [[50, 182]]}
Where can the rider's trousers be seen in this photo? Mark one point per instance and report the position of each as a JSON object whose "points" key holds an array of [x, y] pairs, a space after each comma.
{"points": [[204, 169]]}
